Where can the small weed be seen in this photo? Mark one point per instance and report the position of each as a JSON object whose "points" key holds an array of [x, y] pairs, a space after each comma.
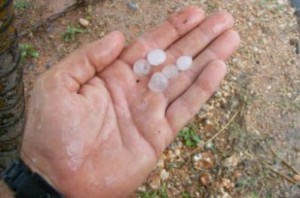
{"points": [[189, 136], [161, 193], [254, 195], [21, 4], [211, 6], [28, 51], [186, 195], [71, 32], [149, 194]]}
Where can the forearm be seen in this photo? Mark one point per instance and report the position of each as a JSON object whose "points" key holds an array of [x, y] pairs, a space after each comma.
{"points": [[5, 192]]}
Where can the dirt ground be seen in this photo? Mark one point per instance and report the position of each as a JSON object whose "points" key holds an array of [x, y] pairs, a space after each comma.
{"points": [[245, 140]]}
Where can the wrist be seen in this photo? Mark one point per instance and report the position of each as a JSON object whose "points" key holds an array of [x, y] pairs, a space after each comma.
{"points": [[26, 183], [33, 166]]}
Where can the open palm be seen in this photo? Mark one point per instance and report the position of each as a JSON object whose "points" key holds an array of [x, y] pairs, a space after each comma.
{"points": [[94, 129]]}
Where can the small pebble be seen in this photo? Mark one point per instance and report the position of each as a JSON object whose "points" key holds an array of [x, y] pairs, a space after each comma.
{"points": [[84, 22], [205, 179], [170, 71], [154, 182], [296, 178], [197, 157], [156, 57], [142, 67], [132, 6], [184, 63], [158, 82], [164, 175], [209, 145]]}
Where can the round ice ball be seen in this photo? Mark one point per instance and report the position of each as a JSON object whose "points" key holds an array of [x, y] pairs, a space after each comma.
{"points": [[156, 57], [184, 63], [170, 71], [158, 82], [142, 67]]}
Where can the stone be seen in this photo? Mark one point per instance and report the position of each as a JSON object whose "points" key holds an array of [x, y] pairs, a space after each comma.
{"points": [[164, 175], [170, 71], [197, 157], [141, 67], [156, 57], [231, 161], [154, 182], [183, 63], [132, 6], [227, 184], [205, 179], [203, 161], [209, 145], [296, 178], [158, 82], [160, 163], [142, 189], [83, 22]]}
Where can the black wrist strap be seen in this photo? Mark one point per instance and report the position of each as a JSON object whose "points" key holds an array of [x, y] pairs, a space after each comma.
{"points": [[27, 184]]}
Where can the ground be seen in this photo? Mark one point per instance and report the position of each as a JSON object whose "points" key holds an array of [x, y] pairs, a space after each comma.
{"points": [[245, 140]]}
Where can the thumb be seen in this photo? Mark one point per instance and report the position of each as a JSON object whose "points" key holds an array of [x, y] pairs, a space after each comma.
{"points": [[90, 59]]}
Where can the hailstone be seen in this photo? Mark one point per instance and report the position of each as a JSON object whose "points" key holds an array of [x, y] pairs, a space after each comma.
{"points": [[142, 67], [184, 63], [170, 71], [158, 82], [156, 57]]}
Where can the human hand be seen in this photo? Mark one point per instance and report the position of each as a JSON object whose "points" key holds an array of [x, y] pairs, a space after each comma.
{"points": [[94, 129]]}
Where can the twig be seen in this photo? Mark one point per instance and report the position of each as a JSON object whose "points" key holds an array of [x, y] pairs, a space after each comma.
{"points": [[285, 162], [218, 133], [225, 127], [282, 175]]}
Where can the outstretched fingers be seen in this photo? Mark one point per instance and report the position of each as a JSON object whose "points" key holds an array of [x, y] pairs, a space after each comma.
{"points": [[164, 35], [189, 103], [221, 48]]}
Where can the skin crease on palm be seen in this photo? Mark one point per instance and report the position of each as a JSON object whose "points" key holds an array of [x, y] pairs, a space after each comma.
{"points": [[94, 129]]}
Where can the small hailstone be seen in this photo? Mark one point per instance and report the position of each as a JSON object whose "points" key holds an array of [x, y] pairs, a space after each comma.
{"points": [[170, 71], [158, 82], [156, 57], [184, 63], [142, 67]]}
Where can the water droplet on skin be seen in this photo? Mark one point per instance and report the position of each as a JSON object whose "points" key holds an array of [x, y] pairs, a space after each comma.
{"points": [[156, 57], [158, 82], [170, 71], [142, 67], [183, 63]]}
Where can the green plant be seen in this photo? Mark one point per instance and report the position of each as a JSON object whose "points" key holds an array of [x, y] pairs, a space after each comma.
{"points": [[28, 51], [21, 4], [149, 194], [189, 136], [163, 191], [254, 195], [71, 32], [211, 6]]}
